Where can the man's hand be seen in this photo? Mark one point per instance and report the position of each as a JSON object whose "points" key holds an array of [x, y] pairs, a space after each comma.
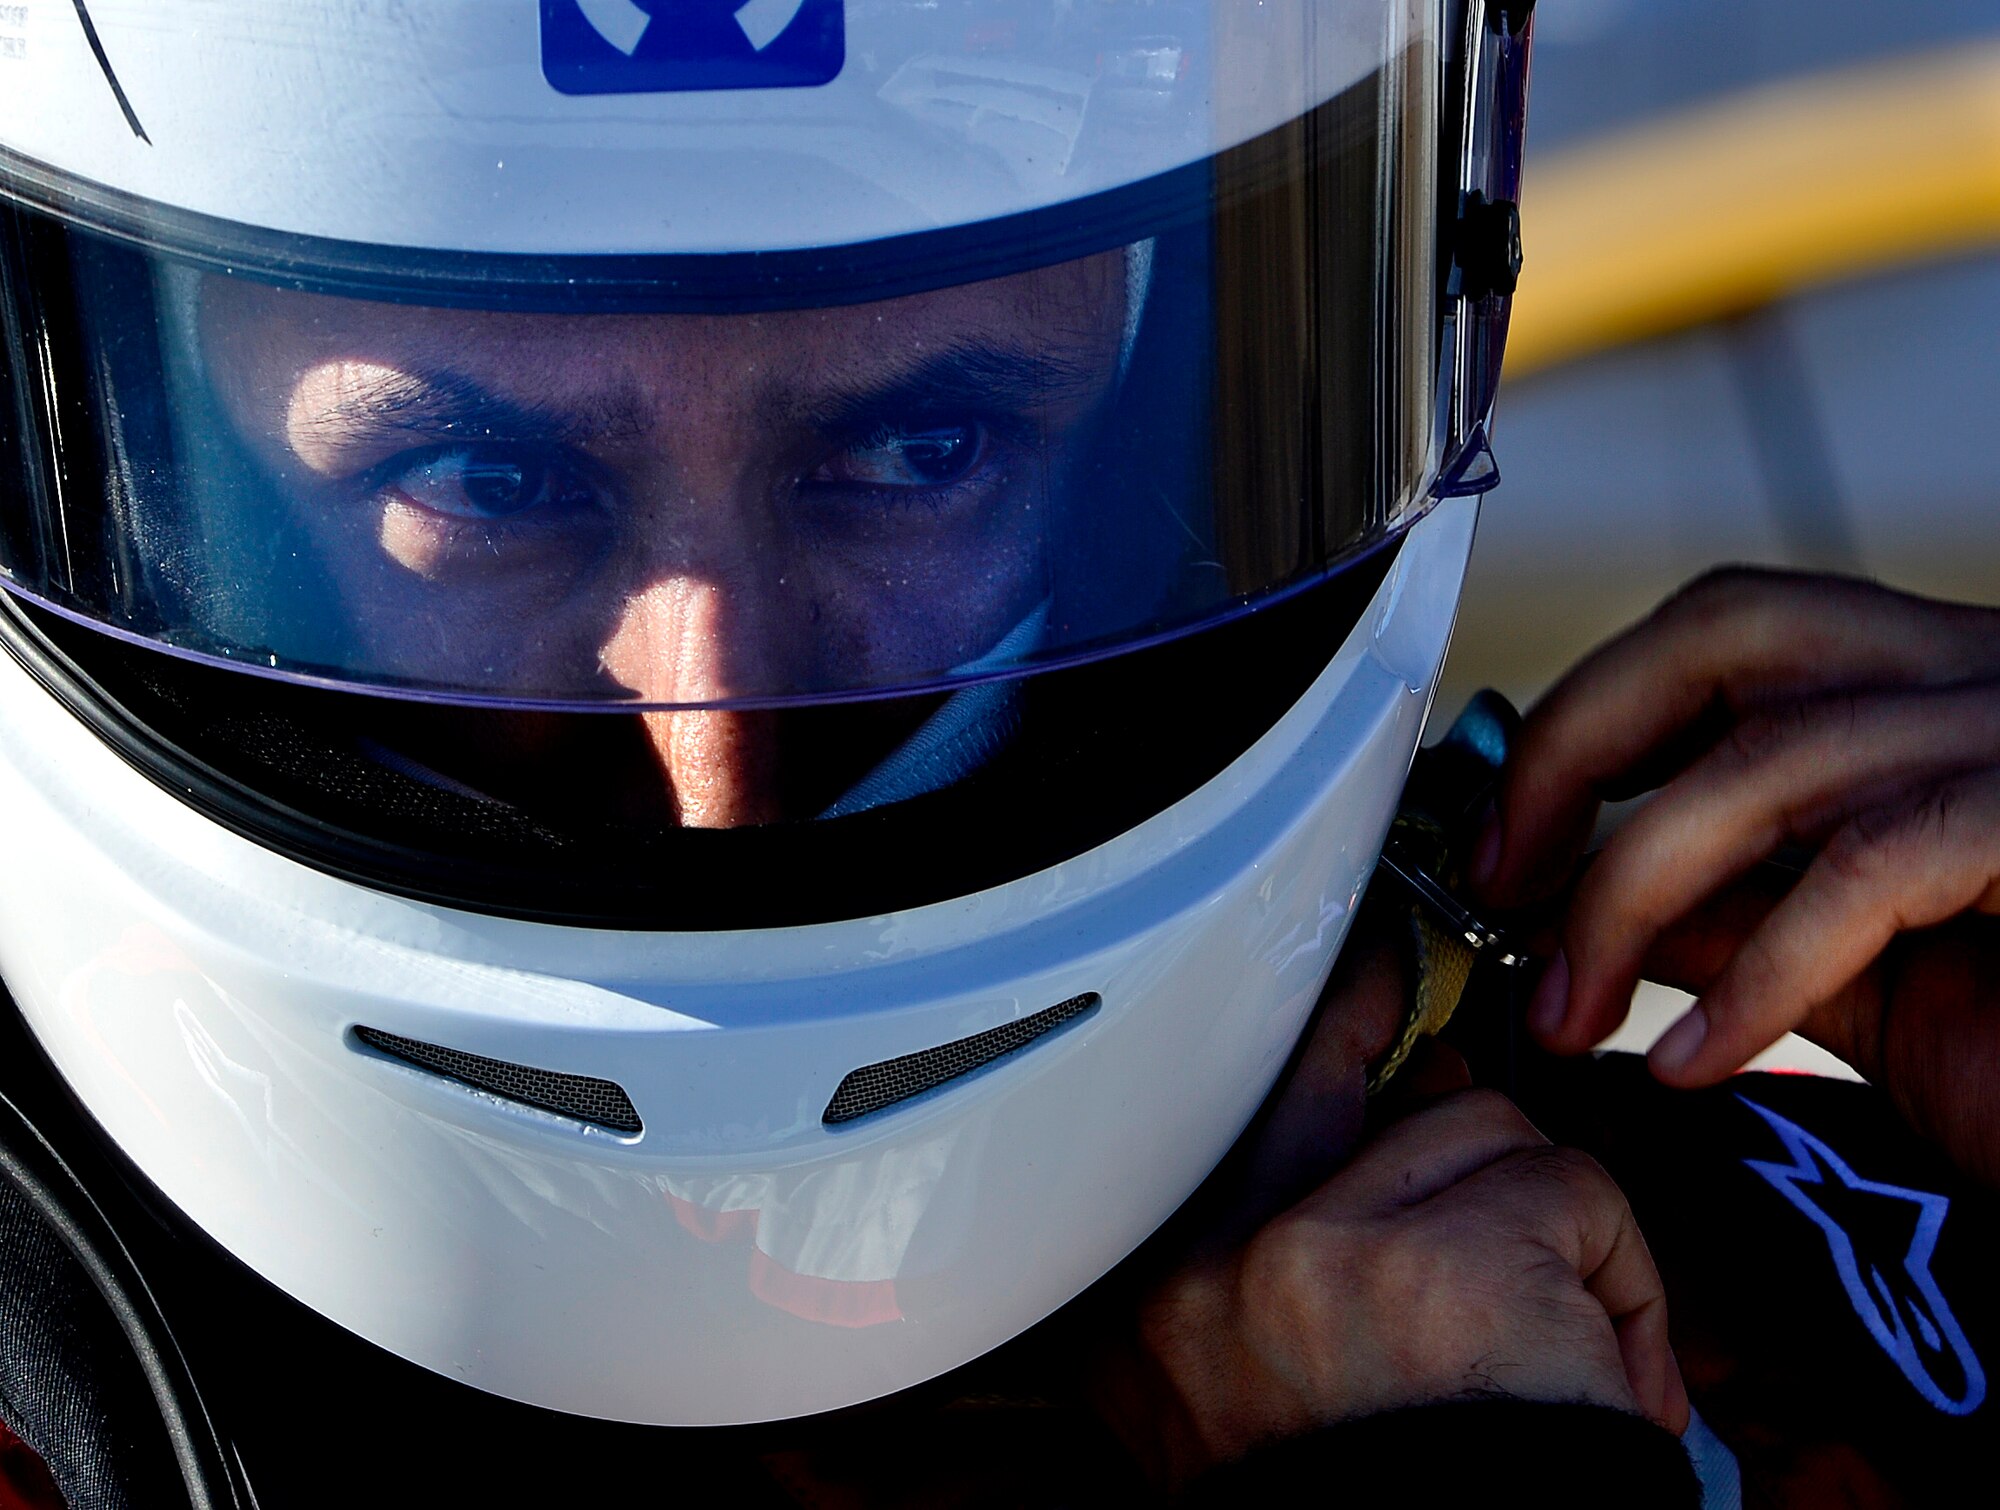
{"points": [[1778, 712], [1456, 1254]]}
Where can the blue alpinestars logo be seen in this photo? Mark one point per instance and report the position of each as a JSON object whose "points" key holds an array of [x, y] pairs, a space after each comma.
{"points": [[1882, 1237], [661, 46]]}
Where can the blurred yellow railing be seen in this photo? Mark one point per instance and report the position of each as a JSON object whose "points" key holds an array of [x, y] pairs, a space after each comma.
{"points": [[1727, 207]]}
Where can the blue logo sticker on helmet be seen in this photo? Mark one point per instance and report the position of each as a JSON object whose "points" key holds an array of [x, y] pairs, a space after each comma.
{"points": [[658, 46]]}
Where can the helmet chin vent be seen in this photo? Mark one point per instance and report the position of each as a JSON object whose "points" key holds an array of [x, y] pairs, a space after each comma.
{"points": [[581, 1097], [874, 1087]]}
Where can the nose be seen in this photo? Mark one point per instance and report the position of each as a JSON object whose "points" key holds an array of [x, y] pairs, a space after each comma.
{"points": [[687, 639], [722, 767]]}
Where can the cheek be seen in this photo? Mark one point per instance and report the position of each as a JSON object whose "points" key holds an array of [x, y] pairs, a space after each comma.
{"points": [[916, 608]]}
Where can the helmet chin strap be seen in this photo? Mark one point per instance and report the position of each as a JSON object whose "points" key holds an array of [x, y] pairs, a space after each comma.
{"points": [[972, 727]]}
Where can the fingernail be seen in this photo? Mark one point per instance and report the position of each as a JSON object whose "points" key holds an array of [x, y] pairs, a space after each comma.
{"points": [[1551, 999], [1680, 1042], [1485, 861]]}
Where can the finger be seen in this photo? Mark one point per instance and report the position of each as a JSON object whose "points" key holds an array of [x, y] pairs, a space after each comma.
{"points": [[1730, 642], [1680, 1409], [1572, 1207], [1691, 954], [1651, 1368], [1910, 866], [1781, 776], [1428, 1151]]}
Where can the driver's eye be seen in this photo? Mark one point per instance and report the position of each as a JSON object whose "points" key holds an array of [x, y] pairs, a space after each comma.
{"points": [[481, 482], [897, 457]]}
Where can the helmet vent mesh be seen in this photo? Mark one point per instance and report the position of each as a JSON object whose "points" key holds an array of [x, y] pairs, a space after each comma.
{"points": [[875, 1086], [582, 1097]]}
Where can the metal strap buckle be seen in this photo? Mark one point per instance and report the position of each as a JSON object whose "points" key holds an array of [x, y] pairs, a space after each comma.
{"points": [[1483, 938]]}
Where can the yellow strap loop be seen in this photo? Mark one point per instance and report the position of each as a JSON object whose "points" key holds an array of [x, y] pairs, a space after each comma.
{"points": [[1442, 963]]}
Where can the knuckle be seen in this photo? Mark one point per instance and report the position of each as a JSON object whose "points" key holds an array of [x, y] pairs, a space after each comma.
{"points": [[1754, 739], [1879, 838], [1293, 1267], [1769, 733], [1304, 1279], [1571, 1171], [1483, 1107], [1939, 814], [1854, 854], [1417, 1263], [1721, 593]]}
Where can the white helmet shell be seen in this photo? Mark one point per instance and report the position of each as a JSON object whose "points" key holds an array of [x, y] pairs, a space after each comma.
{"points": [[456, 125], [356, 895], [740, 1259]]}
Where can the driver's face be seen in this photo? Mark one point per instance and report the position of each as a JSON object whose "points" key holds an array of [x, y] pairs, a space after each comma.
{"points": [[690, 508]]}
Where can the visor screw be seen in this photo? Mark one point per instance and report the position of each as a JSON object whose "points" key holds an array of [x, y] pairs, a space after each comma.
{"points": [[1486, 250]]}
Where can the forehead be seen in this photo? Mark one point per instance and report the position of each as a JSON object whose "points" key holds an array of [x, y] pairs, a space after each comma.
{"points": [[1077, 307]]}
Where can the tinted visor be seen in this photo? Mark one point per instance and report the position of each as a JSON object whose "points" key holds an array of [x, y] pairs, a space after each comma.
{"points": [[1149, 412]]}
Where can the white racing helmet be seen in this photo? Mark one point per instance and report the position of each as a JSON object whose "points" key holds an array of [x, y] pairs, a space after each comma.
{"points": [[698, 691]]}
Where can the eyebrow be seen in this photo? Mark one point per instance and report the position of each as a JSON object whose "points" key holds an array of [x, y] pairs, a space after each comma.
{"points": [[447, 405], [977, 376], [451, 406]]}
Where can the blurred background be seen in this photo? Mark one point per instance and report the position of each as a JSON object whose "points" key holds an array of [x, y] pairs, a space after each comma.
{"points": [[1759, 318], [1759, 321]]}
